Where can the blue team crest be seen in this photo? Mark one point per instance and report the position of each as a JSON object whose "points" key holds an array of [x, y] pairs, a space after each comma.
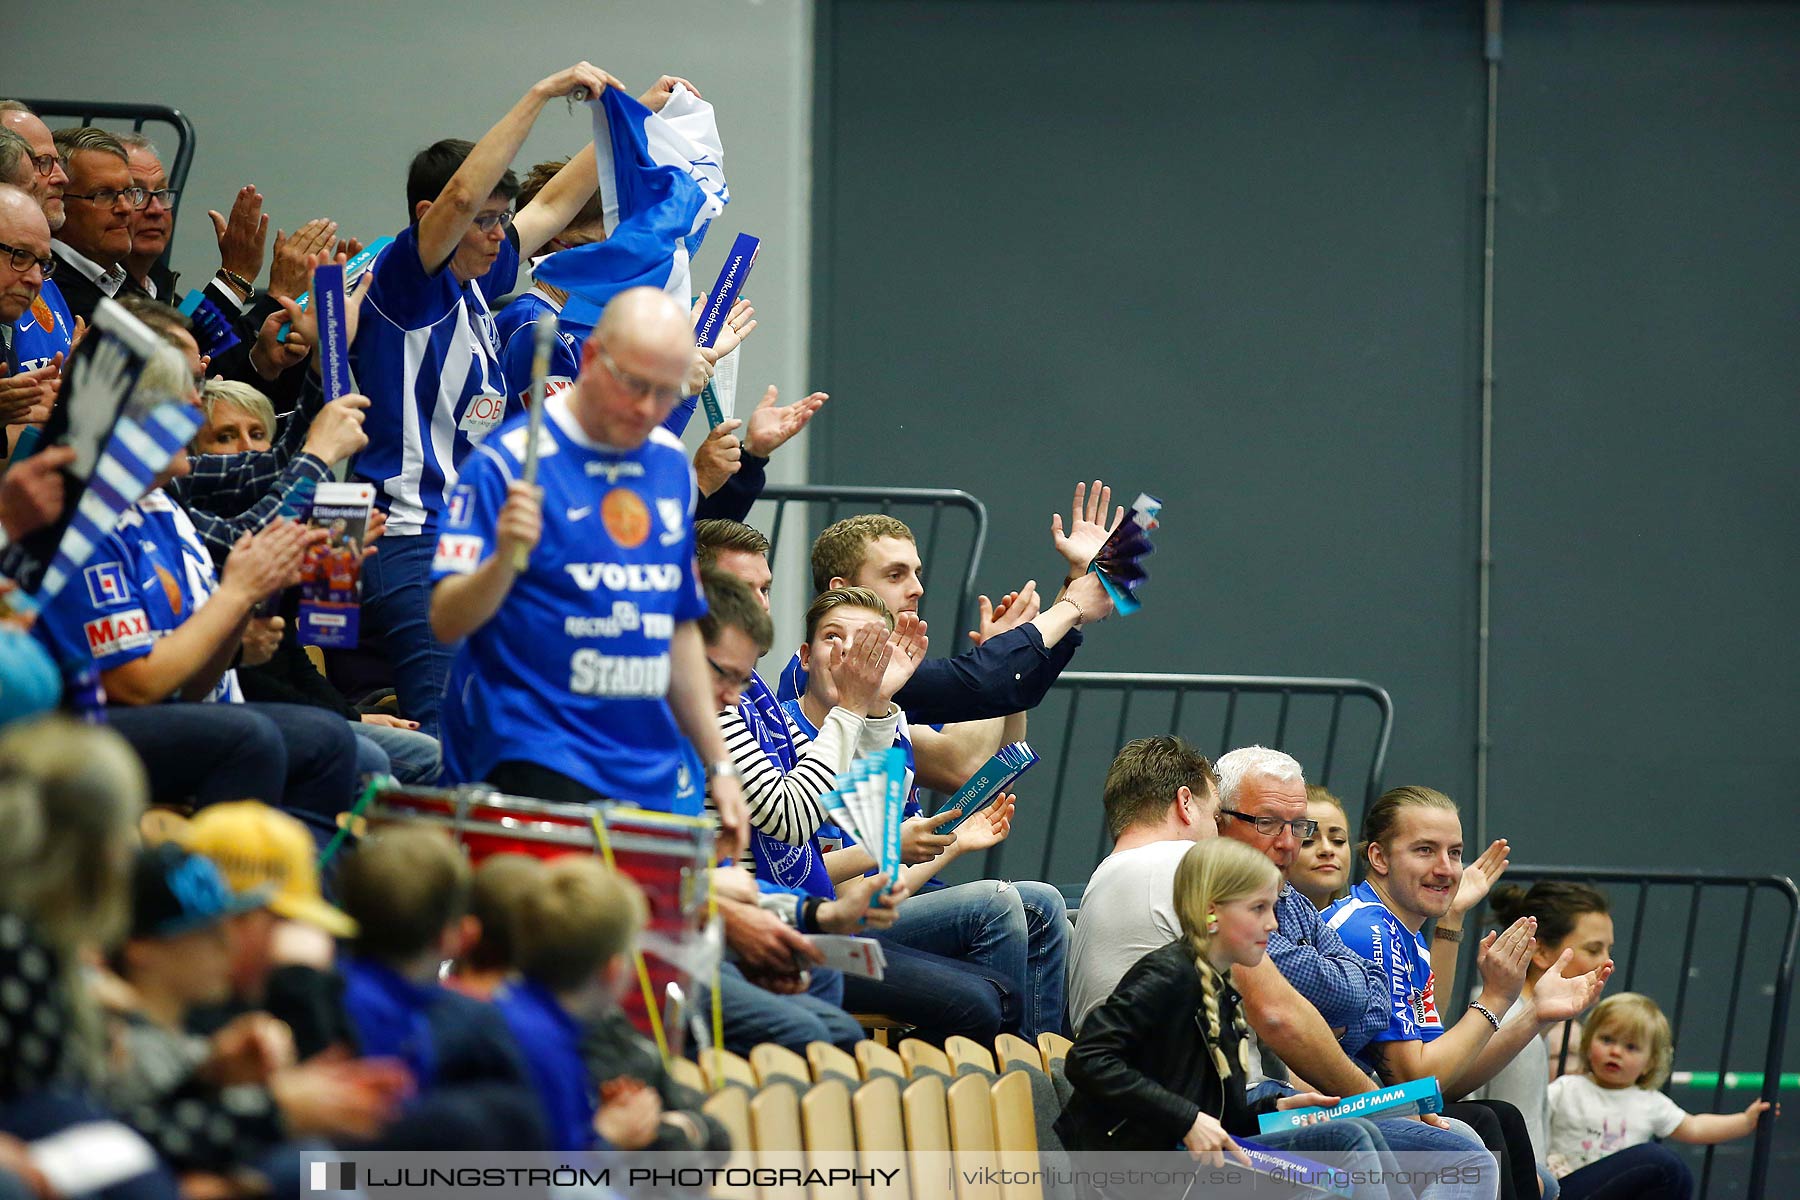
{"points": [[106, 584], [674, 519], [462, 506]]}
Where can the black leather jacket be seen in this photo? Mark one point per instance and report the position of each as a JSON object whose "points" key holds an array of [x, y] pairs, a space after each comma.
{"points": [[1142, 1069]]}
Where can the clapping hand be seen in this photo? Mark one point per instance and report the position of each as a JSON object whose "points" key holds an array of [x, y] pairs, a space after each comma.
{"points": [[1479, 876], [243, 235], [771, 426], [1013, 610], [1087, 531], [989, 827], [1502, 962], [1562, 998]]}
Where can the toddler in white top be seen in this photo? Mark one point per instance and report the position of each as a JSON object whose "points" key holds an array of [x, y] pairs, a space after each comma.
{"points": [[1627, 1050]]}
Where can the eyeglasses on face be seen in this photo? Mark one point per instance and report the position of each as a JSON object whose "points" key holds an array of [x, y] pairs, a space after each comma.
{"points": [[740, 682], [637, 385], [1303, 827], [134, 197], [45, 164], [163, 196], [22, 259], [490, 221]]}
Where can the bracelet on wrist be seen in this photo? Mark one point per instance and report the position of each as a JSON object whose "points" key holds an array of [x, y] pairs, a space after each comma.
{"points": [[237, 283], [1481, 1008], [724, 768], [1444, 934], [809, 914], [1080, 613]]}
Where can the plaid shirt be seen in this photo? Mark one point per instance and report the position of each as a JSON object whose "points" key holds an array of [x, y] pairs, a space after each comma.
{"points": [[229, 495], [1348, 990]]}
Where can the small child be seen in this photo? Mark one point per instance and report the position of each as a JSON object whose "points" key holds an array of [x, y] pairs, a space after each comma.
{"points": [[1628, 1048], [601, 1083], [486, 963]]}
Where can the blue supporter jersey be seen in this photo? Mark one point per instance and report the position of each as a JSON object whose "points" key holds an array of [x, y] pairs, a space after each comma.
{"points": [[573, 670], [428, 357], [149, 575], [550, 1040], [42, 331], [517, 328], [792, 683], [1404, 957]]}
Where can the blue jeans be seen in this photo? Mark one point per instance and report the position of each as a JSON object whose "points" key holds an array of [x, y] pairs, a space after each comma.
{"points": [[1646, 1172], [754, 1014], [1462, 1167], [406, 754], [396, 615], [293, 756], [941, 996], [1019, 931], [1351, 1144]]}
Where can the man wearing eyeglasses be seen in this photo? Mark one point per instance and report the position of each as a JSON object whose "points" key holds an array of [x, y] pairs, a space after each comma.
{"points": [[577, 601], [1262, 803], [47, 328], [428, 357], [96, 233], [152, 222]]}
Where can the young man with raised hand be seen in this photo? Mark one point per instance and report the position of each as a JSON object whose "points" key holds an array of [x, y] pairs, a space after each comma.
{"points": [[427, 355], [583, 666], [1019, 649]]}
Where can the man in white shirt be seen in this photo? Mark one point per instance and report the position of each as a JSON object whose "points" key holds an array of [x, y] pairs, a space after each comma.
{"points": [[1160, 798]]}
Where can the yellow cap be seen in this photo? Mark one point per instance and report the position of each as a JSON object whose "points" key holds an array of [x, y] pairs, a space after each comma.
{"points": [[255, 846]]}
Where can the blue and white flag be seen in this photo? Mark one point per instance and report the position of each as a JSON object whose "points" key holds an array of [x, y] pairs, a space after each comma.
{"points": [[662, 181], [138, 449]]}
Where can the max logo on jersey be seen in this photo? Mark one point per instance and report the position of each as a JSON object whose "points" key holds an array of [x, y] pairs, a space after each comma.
{"points": [[457, 553], [118, 633], [106, 584]]}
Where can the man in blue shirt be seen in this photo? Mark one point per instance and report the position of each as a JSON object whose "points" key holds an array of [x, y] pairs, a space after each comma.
{"points": [[46, 328], [584, 665], [427, 355]]}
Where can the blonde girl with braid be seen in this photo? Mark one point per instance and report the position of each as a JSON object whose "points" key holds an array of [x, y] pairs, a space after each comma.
{"points": [[1161, 1064]]}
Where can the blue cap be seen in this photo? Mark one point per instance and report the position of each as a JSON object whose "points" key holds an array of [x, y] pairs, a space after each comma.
{"points": [[175, 892]]}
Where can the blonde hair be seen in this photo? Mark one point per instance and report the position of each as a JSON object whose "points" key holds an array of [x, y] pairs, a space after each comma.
{"points": [[580, 916], [1216, 872], [70, 799], [1384, 815], [839, 550], [403, 887], [241, 396], [1635, 1015]]}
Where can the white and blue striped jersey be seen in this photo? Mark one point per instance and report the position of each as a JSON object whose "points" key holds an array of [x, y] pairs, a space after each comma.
{"points": [[428, 357], [572, 672]]}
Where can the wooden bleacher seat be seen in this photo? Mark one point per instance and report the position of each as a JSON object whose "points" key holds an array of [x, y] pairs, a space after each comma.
{"points": [[926, 1115], [686, 1072], [825, 1117], [964, 1051], [1010, 1048], [881, 1132], [772, 1062], [1015, 1133], [828, 1062], [721, 1067], [872, 1059], [730, 1107], [972, 1135], [923, 1056], [1054, 1047], [775, 1126]]}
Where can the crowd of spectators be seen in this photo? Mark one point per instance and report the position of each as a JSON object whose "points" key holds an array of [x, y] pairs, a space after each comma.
{"points": [[579, 618]]}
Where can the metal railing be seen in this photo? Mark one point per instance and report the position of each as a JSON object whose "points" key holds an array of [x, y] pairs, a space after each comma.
{"points": [[1649, 905], [923, 509], [1337, 728], [58, 113]]}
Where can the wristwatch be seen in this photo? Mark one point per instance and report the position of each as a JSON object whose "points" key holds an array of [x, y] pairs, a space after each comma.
{"points": [[724, 768]]}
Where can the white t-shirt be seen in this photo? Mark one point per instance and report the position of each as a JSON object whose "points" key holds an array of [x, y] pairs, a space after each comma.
{"points": [[1127, 911], [1588, 1122], [1522, 1083]]}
